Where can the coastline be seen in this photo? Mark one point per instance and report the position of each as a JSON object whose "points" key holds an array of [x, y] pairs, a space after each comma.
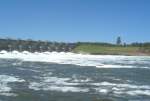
{"points": [[111, 50], [80, 52], [128, 54], [116, 54]]}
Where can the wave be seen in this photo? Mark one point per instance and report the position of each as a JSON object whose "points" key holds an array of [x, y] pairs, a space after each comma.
{"points": [[5, 89], [50, 83], [122, 89], [57, 84], [99, 61]]}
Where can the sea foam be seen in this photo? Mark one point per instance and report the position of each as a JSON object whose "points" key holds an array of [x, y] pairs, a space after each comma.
{"points": [[99, 61], [4, 87], [57, 84]]}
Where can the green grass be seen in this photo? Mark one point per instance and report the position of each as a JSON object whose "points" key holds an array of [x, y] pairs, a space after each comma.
{"points": [[98, 49]]}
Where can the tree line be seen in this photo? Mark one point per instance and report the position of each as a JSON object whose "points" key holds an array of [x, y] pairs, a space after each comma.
{"points": [[41, 46]]}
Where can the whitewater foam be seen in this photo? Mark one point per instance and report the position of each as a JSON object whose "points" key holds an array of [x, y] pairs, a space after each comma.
{"points": [[121, 89], [74, 84], [99, 61], [56, 84], [4, 87]]}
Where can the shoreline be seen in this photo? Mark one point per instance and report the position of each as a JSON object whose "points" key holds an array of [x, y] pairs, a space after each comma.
{"points": [[82, 53], [132, 54], [122, 54]]}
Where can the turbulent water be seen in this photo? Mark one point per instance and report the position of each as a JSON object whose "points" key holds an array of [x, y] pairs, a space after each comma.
{"points": [[73, 77]]}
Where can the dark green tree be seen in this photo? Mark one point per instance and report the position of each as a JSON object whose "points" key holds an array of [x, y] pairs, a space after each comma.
{"points": [[118, 42]]}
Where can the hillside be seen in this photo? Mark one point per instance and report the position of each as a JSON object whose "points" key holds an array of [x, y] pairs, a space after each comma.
{"points": [[111, 50]]}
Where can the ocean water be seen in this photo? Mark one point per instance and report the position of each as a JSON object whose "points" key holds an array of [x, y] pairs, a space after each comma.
{"points": [[73, 77]]}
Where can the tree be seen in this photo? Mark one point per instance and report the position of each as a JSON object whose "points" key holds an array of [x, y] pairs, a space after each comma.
{"points": [[118, 42]]}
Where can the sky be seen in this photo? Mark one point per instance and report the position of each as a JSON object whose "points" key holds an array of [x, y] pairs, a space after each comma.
{"points": [[76, 20]]}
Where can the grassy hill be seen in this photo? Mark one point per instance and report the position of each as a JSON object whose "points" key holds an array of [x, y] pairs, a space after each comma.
{"points": [[108, 50]]}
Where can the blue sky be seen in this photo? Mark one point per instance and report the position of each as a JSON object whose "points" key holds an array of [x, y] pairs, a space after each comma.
{"points": [[76, 20]]}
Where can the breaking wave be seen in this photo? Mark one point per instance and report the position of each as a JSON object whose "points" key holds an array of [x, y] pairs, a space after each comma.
{"points": [[99, 61]]}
